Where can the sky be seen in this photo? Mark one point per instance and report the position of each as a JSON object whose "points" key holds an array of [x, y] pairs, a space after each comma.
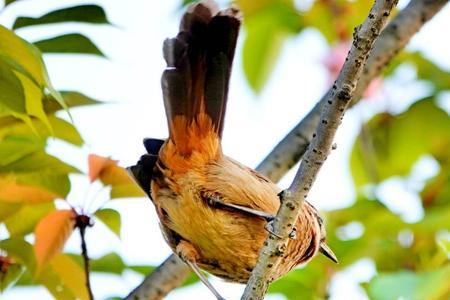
{"points": [[129, 82]]}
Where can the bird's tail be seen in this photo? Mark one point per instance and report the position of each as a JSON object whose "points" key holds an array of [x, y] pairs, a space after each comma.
{"points": [[195, 82]]}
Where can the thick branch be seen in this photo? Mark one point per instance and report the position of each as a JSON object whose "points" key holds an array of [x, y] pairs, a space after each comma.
{"points": [[289, 151], [168, 276], [393, 39], [334, 108]]}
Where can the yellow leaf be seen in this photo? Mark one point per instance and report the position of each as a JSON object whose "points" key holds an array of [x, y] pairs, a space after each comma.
{"points": [[52, 233], [13, 192], [33, 99], [71, 274], [19, 51]]}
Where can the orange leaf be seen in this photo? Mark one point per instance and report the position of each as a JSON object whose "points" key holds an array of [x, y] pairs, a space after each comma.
{"points": [[97, 164], [107, 171], [11, 191], [52, 233]]}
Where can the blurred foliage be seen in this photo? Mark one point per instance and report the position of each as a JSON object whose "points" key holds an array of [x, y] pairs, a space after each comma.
{"points": [[411, 259], [31, 180]]}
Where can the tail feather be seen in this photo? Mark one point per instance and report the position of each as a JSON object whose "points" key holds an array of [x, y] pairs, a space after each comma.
{"points": [[199, 63]]}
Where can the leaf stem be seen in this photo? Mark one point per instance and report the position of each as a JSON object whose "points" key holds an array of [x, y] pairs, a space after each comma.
{"points": [[84, 253]]}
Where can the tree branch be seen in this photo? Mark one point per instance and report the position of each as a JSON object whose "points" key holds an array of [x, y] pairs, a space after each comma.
{"points": [[317, 152], [168, 276], [391, 41], [289, 151]]}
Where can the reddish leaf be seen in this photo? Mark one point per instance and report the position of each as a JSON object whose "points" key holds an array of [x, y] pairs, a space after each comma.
{"points": [[52, 233]]}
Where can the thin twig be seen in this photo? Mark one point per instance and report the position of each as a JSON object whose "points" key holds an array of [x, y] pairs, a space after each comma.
{"points": [[317, 152], [82, 224], [292, 147]]}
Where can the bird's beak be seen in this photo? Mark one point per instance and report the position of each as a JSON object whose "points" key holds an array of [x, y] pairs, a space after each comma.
{"points": [[325, 250]]}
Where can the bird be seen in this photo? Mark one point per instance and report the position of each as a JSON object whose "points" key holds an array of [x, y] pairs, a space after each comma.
{"points": [[214, 212]]}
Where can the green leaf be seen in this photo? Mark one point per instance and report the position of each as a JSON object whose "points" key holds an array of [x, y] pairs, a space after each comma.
{"points": [[23, 56], [9, 278], [305, 283], [61, 129], [14, 148], [111, 218], [58, 184], [8, 2], [72, 99], [130, 190], [69, 43], [426, 69], [267, 30], [8, 209], [65, 131], [391, 144], [143, 270], [109, 263], [336, 20], [33, 99], [83, 13], [39, 161], [21, 251], [410, 285], [12, 96], [24, 221]]}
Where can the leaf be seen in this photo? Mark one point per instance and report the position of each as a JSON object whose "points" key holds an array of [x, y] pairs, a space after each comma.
{"points": [[110, 173], [24, 220], [267, 31], [111, 218], [12, 274], [409, 285], [12, 96], [8, 2], [38, 161], [97, 164], [337, 19], [20, 250], [72, 99], [426, 69], [69, 43], [23, 56], [126, 191], [33, 99], [71, 274], [61, 129], [108, 263], [143, 270], [83, 13], [392, 144], [52, 233], [13, 148], [64, 278], [8, 209], [305, 283], [14, 192]]}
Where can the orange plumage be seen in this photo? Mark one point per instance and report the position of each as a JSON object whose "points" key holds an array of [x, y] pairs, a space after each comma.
{"points": [[213, 210]]}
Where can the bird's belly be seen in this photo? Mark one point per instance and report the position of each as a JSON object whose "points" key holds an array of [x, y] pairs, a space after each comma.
{"points": [[228, 242]]}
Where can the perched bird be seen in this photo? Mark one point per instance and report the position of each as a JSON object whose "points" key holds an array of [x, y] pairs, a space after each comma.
{"points": [[213, 210]]}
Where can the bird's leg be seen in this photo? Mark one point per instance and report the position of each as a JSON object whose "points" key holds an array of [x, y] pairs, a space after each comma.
{"points": [[189, 255], [216, 201]]}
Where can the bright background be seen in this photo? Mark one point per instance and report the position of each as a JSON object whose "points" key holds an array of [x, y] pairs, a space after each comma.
{"points": [[129, 82]]}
